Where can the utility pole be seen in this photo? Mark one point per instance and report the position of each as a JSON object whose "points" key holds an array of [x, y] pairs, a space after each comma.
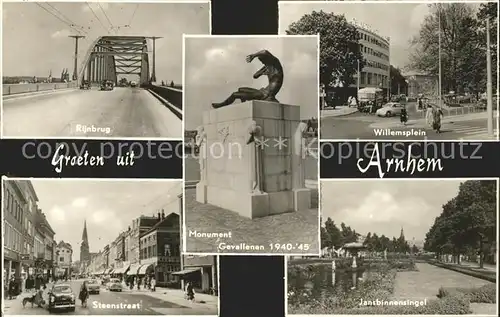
{"points": [[153, 73], [489, 92], [439, 57], [358, 80], [75, 69]]}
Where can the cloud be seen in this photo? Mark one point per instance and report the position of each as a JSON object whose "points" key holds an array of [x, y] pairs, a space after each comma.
{"points": [[56, 215], [79, 202], [95, 6], [106, 218], [60, 34]]}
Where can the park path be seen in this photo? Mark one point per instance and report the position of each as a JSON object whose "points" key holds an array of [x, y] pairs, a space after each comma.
{"points": [[425, 283]]}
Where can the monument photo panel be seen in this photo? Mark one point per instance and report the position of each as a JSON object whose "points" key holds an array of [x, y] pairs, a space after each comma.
{"points": [[401, 247], [251, 165]]}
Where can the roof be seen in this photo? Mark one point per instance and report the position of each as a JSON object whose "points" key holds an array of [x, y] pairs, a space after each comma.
{"points": [[63, 244], [164, 221]]}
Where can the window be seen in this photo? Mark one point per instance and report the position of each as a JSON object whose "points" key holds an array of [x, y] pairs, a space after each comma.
{"points": [[30, 205], [61, 259]]}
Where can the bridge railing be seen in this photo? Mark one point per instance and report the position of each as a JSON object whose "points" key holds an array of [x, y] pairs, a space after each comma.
{"points": [[14, 89], [173, 95]]}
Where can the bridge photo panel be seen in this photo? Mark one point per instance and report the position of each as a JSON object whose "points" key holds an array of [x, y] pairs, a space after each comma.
{"points": [[96, 69]]}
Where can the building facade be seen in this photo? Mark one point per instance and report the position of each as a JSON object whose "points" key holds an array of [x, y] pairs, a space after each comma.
{"points": [[376, 52], [28, 260], [160, 254], [14, 237], [422, 84], [45, 261], [202, 271], [64, 259]]}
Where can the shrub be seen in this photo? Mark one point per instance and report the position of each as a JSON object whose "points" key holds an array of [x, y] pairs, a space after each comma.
{"points": [[484, 294]]}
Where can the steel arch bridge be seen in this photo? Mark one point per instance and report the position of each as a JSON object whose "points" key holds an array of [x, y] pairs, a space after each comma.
{"points": [[110, 56]]}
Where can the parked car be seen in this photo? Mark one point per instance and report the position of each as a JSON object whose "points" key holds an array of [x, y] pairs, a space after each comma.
{"points": [[85, 85], [61, 296], [93, 286], [390, 109], [107, 85], [114, 284]]}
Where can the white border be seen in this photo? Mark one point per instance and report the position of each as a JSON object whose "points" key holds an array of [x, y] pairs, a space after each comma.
{"points": [[180, 138], [497, 179], [123, 180], [333, 2], [187, 36]]}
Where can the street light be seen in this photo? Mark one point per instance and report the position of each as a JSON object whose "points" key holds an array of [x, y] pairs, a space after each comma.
{"points": [[489, 92], [438, 7]]}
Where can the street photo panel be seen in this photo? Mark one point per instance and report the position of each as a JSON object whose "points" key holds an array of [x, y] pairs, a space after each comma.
{"points": [[403, 70], [251, 162], [401, 247], [95, 69], [101, 247]]}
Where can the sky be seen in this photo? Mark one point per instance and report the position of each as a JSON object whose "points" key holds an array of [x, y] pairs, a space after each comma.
{"points": [[383, 207], [216, 67], [399, 21], [108, 206], [35, 42]]}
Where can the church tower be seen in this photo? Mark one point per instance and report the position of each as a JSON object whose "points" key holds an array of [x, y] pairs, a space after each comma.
{"points": [[402, 235], [84, 247]]}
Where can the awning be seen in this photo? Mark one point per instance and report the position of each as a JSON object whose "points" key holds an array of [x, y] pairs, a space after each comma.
{"points": [[133, 269], [112, 271], [143, 269], [122, 270], [186, 271], [103, 272], [108, 271]]}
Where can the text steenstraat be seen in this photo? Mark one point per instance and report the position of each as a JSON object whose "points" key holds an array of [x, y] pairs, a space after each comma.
{"points": [[121, 306]]}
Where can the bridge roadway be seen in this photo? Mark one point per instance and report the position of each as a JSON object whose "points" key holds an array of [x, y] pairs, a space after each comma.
{"points": [[122, 112]]}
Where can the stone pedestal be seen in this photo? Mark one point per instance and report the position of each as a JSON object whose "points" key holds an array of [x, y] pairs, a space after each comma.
{"points": [[257, 179]]}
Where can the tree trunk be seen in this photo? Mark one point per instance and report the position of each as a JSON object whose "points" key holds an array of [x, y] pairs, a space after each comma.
{"points": [[481, 254]]}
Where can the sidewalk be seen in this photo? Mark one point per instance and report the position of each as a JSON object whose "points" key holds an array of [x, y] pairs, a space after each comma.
{"points": [[37, 93], [12, 306], [421, 122], [338, 111], [176, 296]]}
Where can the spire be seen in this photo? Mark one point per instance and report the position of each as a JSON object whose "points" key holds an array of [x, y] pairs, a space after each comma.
{"points": [[402, 235], [85, 238]]}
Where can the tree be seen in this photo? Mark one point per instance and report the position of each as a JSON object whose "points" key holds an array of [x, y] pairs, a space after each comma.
{"points": [[339, 46], [489, 11], [460, 63], [414, 249], [398, 81], [467, 221]]}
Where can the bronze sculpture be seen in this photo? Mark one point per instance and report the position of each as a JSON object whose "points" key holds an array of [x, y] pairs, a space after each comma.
{"points": [[272, 69]]}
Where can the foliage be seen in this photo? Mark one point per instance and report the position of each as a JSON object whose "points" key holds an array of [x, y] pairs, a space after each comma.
{"points": [[398, 81], [468, 221], [339, 46], [484, 294], [332, 236], [378, 284], [463, 43]]}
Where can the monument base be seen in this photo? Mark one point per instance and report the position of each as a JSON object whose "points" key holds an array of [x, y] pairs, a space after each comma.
{"points": [[301, 199], [250, 205], [201, 192]]}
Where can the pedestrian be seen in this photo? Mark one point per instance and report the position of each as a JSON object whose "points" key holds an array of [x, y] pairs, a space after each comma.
{"points": [[353, 102], [139, 280], [404, 115], [429, 115], [84, 294], [437, 115], [153, 284], [190, 291], [12, 287]]}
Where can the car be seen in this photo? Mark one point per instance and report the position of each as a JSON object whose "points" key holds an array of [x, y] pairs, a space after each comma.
{"points": [[85, 85], [114, 284], [61, 296], [105, 281], [133, 84], [93, 286], [107, 85], [390, 109]]}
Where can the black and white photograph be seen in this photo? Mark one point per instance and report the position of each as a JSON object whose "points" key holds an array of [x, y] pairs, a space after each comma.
{"points": [[401, 247], [95, 69], [101, 247], [251, 162], [403, 71]]}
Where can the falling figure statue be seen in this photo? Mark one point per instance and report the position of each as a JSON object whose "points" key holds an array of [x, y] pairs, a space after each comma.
{"points": [[272, 69]]}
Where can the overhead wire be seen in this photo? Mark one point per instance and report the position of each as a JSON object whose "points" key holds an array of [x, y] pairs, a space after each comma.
{"points": [[133, 15], [97, 18], [69, 21], [60, 19], [105, 15]]}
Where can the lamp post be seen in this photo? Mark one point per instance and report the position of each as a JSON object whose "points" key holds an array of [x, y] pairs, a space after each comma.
{"points": [[489, 92], [439, 56]]}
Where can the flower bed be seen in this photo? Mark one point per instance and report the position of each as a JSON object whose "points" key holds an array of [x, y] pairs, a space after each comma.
{"points": [[484, 294]]}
